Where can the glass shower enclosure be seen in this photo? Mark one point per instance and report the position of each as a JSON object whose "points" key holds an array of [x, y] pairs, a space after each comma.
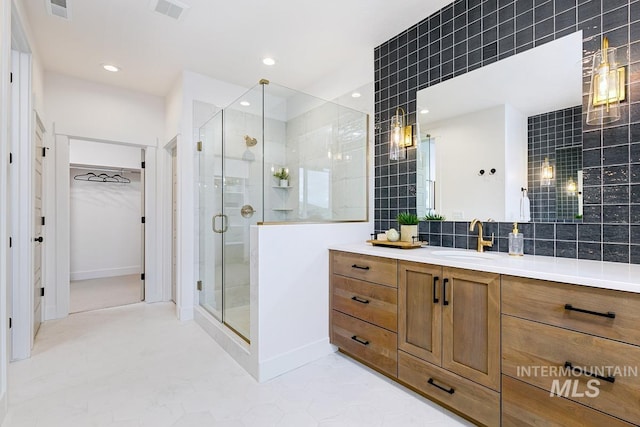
{"points": [[322, 149]]}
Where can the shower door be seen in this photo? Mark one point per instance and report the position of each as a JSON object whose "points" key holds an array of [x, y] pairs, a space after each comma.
{"points": [[209, 216], [230, 202]]}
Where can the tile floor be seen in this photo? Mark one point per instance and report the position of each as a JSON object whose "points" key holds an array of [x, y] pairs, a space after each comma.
{"points": [[93, 294], [137, 365]]}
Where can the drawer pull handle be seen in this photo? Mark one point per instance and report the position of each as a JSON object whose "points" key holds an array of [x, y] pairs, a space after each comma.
{"points": [[435, 289], [609, 314], [360, 267], [448, 390], [587, 373], [360, 340], [360, 300], [444, 292]]}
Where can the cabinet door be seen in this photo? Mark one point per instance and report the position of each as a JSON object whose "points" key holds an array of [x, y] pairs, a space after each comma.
{"points": [[420, 310], [471, 325]]}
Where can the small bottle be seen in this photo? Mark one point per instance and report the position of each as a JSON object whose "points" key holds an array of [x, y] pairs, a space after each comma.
{"points": [[516, 241]]}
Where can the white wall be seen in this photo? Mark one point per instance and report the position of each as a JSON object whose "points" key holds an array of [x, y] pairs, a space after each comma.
{"points": [[105, 227], [516, 158], [101, 112]]}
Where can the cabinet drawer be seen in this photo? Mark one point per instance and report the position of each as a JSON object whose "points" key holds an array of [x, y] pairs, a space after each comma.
{"points": [[537, 354], [365, 267], [374, 303], [462, 395], [524, 405], [373, 345], [545, 302]]}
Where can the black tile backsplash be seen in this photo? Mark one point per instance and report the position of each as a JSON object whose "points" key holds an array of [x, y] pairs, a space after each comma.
{"points": [[469, 34]]}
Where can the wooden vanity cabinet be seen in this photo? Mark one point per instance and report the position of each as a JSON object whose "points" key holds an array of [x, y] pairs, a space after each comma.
{"points": [[364, 309], [551, 326], [451, 317], [449, 337]]}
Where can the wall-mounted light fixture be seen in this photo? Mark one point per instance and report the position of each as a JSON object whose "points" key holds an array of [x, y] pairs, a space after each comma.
{"points": [[400, 137], [546, 173], [572, 187], [607, 86]]}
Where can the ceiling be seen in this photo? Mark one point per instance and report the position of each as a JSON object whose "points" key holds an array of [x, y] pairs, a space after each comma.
{"points": [[311, 41]]}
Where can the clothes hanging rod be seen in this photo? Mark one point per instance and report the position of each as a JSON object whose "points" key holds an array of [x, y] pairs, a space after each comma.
{"points": [[102, 168]]}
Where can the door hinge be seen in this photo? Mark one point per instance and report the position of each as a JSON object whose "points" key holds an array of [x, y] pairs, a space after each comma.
{"points": [[10, 242], [42, 223], [41, 292], [199, 285], [10, 322], [143, 219], [142, 165], [44, 151], [142, 276], [10, 77], [199, 145], [10, 158]]}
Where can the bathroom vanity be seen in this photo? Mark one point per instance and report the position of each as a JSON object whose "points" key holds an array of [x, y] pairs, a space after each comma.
{"points": [[493, 337]]}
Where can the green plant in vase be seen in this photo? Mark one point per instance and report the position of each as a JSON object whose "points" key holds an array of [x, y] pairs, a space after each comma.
{"points": [[283, 175]]}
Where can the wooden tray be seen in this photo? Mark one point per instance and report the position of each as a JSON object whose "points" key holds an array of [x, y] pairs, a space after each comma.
{"points": [[398, 244]]}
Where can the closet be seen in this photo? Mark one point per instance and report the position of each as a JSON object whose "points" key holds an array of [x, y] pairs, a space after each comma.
{"points": [[106, 225]]}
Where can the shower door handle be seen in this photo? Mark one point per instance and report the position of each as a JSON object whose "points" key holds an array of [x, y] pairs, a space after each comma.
{"points": [[225, 223]]}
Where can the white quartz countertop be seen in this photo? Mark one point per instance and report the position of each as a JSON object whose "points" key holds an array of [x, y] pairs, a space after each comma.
{"points": [[599, 274]]}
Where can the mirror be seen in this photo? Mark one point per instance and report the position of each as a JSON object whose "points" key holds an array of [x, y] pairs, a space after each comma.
{"points": [[484, 135]]}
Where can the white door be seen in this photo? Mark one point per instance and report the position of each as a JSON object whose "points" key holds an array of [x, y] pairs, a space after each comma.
{"points": [[37, 226]]}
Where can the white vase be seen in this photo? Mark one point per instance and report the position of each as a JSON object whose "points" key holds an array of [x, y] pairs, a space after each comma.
{"points": [[284, 183], [407, 232]]}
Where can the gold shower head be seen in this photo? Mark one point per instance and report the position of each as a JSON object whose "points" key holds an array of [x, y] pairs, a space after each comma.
{"points": [[250, 141]]}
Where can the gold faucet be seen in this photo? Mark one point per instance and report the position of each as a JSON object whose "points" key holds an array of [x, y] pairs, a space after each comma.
{"points": [[481, 242]]}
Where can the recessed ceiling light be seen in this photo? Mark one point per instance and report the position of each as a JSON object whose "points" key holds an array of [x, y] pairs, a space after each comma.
{"points": [[356, 95], [269, 61], [111, 68], [245, 103], [425, 111]]}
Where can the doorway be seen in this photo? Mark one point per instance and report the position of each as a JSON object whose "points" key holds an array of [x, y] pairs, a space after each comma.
{"points": [[106, 189]]}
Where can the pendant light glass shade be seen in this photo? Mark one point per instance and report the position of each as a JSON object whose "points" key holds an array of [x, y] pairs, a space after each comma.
{"points": [[607, 87], [400, 136], [546, 173], [396, 150]]}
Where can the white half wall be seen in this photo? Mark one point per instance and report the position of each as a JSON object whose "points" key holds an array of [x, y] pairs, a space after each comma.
{"points": [[105, 226], [290, 325]]}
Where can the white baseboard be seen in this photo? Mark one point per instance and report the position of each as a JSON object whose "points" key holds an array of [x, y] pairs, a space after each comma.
{"points": [[109, 272], [291, 360], [184, 313]]}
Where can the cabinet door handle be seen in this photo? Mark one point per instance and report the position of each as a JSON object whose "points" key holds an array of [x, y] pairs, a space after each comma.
{"points": [[360, 300], [444, 292], [449, 390], [360, 267], [435, 289], [360, 340], [609, 314], [581, 371]]}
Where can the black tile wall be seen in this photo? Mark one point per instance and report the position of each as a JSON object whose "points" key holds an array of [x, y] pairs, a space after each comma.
{"points": [[468, 34]]}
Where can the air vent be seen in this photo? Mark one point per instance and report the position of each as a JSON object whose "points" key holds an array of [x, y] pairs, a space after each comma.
{"points": [[59, 8], [171, 8]]}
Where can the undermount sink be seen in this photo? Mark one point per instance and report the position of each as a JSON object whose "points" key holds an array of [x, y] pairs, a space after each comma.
{"points": [[464, 254]]}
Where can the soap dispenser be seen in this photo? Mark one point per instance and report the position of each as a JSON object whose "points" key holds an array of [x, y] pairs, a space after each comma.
{"points": [[516, 241]]}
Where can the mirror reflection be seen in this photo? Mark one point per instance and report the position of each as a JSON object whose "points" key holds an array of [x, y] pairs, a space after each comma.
{"points": [[485, 135]]}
